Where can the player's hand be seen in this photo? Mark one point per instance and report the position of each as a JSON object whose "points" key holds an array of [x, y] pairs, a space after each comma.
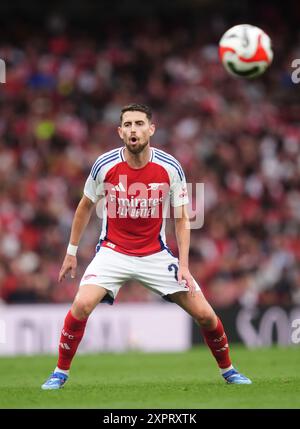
{"points": [[184, 276], [69, 264]]}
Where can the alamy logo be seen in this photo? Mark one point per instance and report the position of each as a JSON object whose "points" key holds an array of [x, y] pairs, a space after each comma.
{"points": [[151, 200], [296, 332], [2, 71], [296, 73], [2, 332]]}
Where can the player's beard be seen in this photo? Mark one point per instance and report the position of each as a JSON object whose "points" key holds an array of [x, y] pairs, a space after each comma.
{"points": [[137, 148]]}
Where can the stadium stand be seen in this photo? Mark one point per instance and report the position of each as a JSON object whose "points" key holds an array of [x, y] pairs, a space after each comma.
{"points": [[59, 110]]}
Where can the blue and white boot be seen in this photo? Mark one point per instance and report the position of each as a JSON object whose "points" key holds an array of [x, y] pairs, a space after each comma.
{"points": [[56, 381], [234, 377]]}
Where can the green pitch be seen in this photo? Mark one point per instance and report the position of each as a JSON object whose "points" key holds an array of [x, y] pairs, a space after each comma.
{"points": [[171, 380]]}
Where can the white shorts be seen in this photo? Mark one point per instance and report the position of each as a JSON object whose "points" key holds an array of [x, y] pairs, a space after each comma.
{"points": [[110, 269]]}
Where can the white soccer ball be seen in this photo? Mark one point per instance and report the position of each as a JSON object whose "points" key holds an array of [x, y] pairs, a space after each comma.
{"points": [[245, 51]]}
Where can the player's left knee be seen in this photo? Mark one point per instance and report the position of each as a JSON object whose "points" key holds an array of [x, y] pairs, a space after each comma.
{"points": [[206, 320]]}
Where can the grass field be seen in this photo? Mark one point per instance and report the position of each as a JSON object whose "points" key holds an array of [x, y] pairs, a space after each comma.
{"points": [[170, 380]]}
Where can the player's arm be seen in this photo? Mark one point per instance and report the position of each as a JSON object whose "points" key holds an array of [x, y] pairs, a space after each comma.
{"points": [[81, 219], [182, 230]]}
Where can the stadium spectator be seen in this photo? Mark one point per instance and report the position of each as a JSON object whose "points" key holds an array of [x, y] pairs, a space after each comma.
{"points": [[59, 109]]}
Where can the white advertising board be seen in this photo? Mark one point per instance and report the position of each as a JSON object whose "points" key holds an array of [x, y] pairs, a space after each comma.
{"points": [[35, 329]]}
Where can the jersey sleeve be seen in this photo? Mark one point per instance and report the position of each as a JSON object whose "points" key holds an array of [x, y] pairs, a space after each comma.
{"points": [[94, 187], [178, 189]]}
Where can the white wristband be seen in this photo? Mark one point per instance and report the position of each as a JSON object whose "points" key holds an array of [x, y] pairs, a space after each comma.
{"points": [[72, 250]]}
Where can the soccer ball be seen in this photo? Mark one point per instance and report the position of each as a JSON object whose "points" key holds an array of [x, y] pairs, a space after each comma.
{"points": [[245, 51]]}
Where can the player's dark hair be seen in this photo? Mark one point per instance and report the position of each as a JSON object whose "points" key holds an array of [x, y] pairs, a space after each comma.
{"points": [[134, 107]]}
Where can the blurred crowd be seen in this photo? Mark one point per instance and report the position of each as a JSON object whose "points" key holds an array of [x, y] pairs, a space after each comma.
{"points": [[59, 110]]}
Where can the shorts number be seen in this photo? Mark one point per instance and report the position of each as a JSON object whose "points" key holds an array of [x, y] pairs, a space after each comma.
{"points": [[174, 267]]}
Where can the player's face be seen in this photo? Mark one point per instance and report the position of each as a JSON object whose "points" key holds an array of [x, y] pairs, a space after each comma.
{"points": [[135, 131]]}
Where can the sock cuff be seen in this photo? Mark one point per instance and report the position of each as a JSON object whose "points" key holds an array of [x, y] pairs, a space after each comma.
{"points": [[73, 323]]}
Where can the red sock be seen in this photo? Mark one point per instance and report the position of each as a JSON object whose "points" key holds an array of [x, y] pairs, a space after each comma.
{"points": [[218, 344], [70, 338]]}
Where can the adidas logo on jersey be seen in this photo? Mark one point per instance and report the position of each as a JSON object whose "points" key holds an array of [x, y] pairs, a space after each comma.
{"points": [[119, 187]]}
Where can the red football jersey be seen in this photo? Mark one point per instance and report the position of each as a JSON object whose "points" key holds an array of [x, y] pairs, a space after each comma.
{"points": [[136, 200]]}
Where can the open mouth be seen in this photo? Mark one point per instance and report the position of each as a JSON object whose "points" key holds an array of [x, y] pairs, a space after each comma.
{"points": [[133, 139]]}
